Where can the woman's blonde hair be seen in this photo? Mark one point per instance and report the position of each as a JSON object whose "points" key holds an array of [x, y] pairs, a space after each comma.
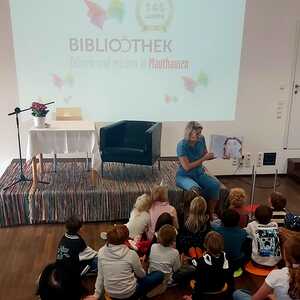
{"points": [[190, 126], [197, 215], [237, 197], [142, 203], [292, 258], [159, 193]]}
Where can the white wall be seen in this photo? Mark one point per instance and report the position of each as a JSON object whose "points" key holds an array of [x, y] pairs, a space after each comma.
{"points": [[8, 90], [265, 79]]}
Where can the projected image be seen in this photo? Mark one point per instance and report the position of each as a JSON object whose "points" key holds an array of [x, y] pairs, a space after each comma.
{"points": [[165, 60]]}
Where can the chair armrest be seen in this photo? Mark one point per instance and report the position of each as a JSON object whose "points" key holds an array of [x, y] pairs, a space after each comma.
{"points": [[155, 126], [109, 135], [153, 140]]}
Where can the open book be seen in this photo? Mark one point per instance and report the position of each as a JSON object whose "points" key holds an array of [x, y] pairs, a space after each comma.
{"points": [[226, 147]]}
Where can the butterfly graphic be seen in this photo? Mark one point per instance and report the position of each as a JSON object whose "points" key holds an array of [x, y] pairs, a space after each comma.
{"points": [[57, 81], [60, 82], [116, 10], [190, 84], [169, 99], [67, 99], [96, 13]]}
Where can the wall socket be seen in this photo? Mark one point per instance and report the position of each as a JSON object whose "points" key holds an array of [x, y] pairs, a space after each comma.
{"points": [[235, 162], [260, 159], [238, 162], [247, 160]]}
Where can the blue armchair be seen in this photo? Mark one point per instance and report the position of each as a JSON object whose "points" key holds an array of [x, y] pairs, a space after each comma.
{"points": [[133, 142]]}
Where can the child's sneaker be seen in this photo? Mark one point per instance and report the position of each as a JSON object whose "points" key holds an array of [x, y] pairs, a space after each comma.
{"points": [[172, 283], [85, 270], [216, 222], [238, 273]]}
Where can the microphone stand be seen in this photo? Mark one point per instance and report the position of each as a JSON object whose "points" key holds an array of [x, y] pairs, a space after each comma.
{"points": [[21, 177]]}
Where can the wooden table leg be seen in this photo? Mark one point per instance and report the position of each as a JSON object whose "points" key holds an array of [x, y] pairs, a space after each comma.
{"points": [[34, 175], [41, 164], [94, 176]]}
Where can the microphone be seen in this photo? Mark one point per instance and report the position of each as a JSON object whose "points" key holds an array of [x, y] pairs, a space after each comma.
{"points": [[49, 103], [18, 110]]}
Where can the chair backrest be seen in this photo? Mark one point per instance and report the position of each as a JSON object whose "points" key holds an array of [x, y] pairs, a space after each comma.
{"points": [[68, 114], [134, 135]]}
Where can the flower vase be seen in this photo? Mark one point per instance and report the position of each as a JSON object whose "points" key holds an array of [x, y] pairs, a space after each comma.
{"points": [[39, 122]]}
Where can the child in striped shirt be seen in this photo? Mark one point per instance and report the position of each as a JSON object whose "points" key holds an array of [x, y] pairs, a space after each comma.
{"points": [[278, 203]]}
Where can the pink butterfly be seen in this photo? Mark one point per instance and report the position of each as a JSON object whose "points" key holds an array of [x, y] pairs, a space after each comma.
{"points": [[96, 13], [168, 98], [57, 81], [189, 83]]}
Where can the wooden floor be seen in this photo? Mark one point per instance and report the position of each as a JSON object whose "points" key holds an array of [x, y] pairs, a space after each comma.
{"points": [[25, 250]]}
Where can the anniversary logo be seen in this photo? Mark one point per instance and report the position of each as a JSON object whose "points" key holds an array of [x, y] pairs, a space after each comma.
{"points": [[154, 15]]}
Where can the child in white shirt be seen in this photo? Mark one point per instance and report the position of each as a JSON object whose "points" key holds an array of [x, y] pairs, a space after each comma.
{"points": [[163, 257], [284, 283], [265, 238]]}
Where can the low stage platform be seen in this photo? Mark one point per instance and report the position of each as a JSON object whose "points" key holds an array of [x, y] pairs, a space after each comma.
{"points": [[70, 191]]}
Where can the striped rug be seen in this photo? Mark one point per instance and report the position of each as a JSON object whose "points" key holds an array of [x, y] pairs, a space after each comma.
{"points": [[70, 191]]}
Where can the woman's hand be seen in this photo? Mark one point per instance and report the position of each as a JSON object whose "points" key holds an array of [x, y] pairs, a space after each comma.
{"points": [[208, 156], [187, 297]]}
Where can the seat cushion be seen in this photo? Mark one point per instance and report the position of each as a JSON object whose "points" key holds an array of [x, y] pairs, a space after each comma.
{"points": [[124, 151]]}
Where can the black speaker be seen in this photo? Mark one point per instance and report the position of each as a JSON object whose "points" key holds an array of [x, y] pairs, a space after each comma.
{"points": [[269, 159]]}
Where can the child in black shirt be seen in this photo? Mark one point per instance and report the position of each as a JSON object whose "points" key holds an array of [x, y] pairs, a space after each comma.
{"points": [[212, 270], [73, 250]]}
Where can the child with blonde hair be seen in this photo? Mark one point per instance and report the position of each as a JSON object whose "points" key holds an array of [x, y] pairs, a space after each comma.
{"points": [[237, 202], [160, 205], [195, 228], [139, 220]]}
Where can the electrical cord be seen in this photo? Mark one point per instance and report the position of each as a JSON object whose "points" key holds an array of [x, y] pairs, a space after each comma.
{"points": [[259, 186], [239, 166]]}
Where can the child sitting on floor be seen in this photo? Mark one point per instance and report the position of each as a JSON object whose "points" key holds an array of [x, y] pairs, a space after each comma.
{"points": [[162, 220], [265, 239], [139, 220], [165, 258], [72, 249], [160, 204], [236, 244], [60, 281], [196, 227], [212, 270], [284, 283], [237, 201], [120, 272], [278, 204]]}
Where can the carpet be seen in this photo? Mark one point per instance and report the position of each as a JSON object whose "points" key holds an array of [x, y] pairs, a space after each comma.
{"points": [[70, 192]]}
